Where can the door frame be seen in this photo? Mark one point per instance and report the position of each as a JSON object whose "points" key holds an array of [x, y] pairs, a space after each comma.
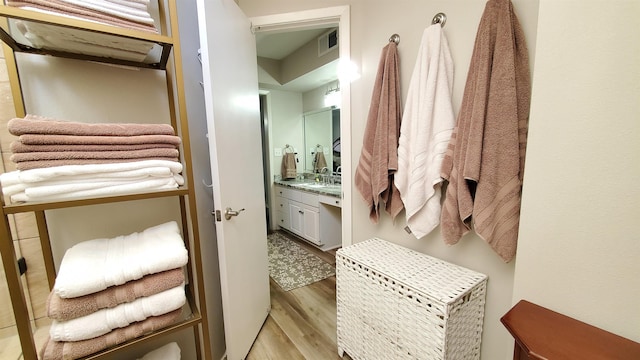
{"points": [[330, 15]]}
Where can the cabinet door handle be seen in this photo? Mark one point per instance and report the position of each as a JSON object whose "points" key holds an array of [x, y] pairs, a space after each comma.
{"points": [[301, 212]]}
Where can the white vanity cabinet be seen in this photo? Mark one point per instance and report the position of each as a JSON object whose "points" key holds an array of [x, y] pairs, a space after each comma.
{"points": [[310, 216]]}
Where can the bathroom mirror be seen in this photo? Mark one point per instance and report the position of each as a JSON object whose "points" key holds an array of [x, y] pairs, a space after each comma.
{"points": [[322, 135]]}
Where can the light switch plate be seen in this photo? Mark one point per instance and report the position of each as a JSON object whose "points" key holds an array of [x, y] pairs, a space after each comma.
{"points": [[278, 152]]}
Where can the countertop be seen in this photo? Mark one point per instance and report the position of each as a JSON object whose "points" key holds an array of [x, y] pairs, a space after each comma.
{"points": [[308, 185]]}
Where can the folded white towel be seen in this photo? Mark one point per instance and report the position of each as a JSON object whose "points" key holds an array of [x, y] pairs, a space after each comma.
{"points": [[46, 191], [139, 17], [427, 124], [12, 186], [111, 7], [33, 194], [66, 171], [171, 351], [140, 5], [105, 320], [94, 265]]}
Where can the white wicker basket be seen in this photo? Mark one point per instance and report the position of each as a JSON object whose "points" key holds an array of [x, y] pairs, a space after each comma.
{"points": [[396, 303]]}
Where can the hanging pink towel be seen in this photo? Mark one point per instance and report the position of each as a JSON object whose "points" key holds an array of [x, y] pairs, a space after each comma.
{"points": [[484, 163], [379, 157]]}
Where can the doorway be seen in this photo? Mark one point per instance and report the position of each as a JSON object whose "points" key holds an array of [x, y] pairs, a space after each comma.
{"points": [[327, 23]]}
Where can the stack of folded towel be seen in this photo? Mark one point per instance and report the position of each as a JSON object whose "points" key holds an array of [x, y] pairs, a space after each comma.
{"points": [[60, 160], [128, 14], [109, 291]]}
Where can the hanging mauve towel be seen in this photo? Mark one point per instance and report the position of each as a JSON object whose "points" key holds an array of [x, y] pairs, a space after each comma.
{"points": [[484, 163], [379, 157], [427, 123]]}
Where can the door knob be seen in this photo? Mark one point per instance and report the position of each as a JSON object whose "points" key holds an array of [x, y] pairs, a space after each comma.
{"points": [[228, 213]]}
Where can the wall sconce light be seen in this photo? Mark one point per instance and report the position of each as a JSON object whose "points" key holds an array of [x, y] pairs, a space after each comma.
{"points": [[332, 96]]}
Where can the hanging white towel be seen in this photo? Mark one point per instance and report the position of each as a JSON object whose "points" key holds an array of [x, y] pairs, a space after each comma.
{"points": [[427, 123]]}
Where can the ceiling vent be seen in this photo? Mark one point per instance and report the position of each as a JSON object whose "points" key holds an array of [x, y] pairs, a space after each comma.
{"points": [[327, 42]]}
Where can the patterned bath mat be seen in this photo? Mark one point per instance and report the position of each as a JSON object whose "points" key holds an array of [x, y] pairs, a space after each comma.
{"points": [[291, 266]]}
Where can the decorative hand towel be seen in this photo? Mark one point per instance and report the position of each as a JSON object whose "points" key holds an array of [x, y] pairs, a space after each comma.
{"points": [[379, 156], [66, 309], [427, 123], [320, 162], [34, 124], [50, 139], [171, 351], [94, 265], [57, 350], [105, 320], [487, 148], [288, 170]]}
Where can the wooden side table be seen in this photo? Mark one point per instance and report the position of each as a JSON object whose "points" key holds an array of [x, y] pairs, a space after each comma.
{"points": [[544, 334]]}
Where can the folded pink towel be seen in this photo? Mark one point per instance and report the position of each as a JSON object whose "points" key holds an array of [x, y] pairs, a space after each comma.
{"points": [[19, 147], [379, 156], [34, 124], [40, 164], [71, 308], [50, 139], [58, 350], [103, 155]]}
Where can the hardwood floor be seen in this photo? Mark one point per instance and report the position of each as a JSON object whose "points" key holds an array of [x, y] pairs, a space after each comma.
{"points": [[302, 322]]}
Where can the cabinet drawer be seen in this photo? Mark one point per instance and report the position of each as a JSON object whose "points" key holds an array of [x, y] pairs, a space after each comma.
{"points": [[288, 193], [281, 203], [330, 200], [282, 219], [309, 199]]}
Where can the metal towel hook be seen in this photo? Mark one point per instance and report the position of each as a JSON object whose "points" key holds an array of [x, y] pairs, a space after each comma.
{"points": [[395, 38], [439, 18]]}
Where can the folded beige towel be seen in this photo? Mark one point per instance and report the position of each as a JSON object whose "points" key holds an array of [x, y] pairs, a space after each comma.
{"points": [[288, 170], [34, 124], [379, 156], [484, 162], [41, 164], [55, 350], [101, 155], [71, 308], [19, 147], [50, 139]]}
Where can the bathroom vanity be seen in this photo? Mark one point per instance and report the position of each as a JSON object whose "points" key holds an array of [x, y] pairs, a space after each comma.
{"points": [[310, 210]]}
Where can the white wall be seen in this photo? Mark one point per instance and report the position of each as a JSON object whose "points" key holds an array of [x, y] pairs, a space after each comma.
{"points": [[372, 23], [284, 111], [579, 249]]}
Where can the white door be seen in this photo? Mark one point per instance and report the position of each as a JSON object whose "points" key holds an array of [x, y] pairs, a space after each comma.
{"points": [[233, 125]]}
